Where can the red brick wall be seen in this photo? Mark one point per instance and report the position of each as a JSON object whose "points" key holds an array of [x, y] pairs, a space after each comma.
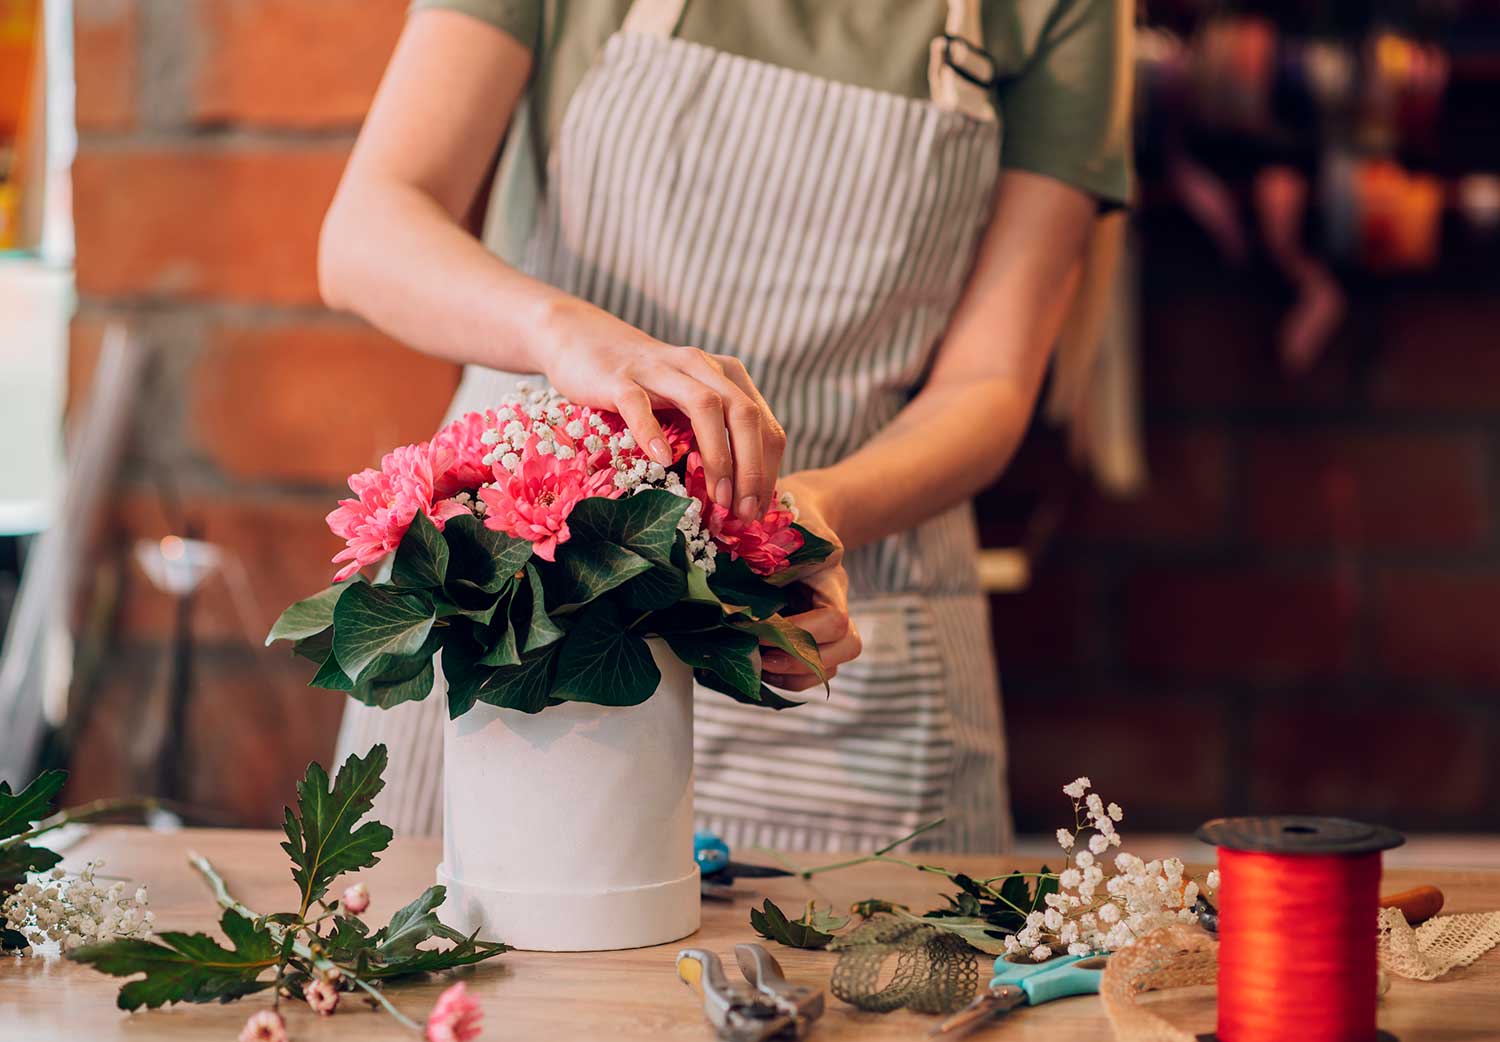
{"points": [[212, 135], [1299, 615], [1303, 612]]}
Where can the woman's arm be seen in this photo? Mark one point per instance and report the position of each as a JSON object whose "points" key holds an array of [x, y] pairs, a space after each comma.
{"points": [[961, 429], [393, 250]]}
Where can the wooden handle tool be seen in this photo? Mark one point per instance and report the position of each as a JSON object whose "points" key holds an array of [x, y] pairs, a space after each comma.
{"points": [[1418, 904]]}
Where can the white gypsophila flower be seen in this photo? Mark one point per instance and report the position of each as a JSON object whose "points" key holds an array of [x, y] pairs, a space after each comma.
{"points": [[1083, 859], [565, 452], [593, 443], [1114, 811], [511, 462], [1077, 948], [76, 911], [1070, 878], [1041, 953], [1035, 919], [1095, 805], [1109, 913], [1052, 919], [1098, 843], [575, 429], [1076, 788], [1011, 944], [1065, 839], [1213, 879]]}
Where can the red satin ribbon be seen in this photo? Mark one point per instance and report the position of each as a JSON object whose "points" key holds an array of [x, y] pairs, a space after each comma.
{"points": [[1297, 958]]}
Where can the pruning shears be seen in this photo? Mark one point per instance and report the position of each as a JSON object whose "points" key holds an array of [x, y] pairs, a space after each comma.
{"points": [[771, 1008], [1027, 984], [718, 871]]}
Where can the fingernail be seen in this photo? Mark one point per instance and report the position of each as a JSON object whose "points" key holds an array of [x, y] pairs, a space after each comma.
{"points": [[724, 492], [660, 452], [749, 508]]}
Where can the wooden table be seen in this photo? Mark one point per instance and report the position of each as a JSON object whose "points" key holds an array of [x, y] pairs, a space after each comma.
{"points": [[614, 996]]}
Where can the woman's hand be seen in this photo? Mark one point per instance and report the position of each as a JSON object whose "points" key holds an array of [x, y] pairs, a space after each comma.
{"points": [[826, 590], [597, 360], [828, 621]]}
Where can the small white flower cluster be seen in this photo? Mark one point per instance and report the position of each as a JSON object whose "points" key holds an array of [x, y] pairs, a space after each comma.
{"points": [[1140, 897], [76, 911], [701, 548], [546, 411]]}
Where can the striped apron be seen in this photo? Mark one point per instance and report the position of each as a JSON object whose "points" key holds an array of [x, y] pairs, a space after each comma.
{"points": [[822, 233]]}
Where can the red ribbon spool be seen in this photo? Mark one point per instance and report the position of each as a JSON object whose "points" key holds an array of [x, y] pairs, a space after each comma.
{"points": [[1298, 898]]}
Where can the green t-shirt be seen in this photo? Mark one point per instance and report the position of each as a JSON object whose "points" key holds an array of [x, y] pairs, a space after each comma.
{"points": [[1064, 66]]}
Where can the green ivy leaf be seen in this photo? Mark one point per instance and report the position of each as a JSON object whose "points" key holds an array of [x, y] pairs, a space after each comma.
{"points": [[543, 630], [18, 812], [523, 687], [385, 692], [309, 617], [728, 654], [779, 633], [585, 571], [422, 558], [324, 837], [187, 967], [655, 589], [504, 652], [316, 648], [645, 523], [733, 583], [806, 558], [602, 662], [771, 923], [370, 622], [766, 697], [483, 560]]}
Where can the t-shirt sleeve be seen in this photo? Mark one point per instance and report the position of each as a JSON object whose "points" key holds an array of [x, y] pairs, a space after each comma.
{"points": [[521, 19], [1066, 115]]}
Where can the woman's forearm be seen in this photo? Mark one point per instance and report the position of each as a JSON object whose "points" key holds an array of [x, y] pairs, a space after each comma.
{"points": [[425, 281], [948, 444]]}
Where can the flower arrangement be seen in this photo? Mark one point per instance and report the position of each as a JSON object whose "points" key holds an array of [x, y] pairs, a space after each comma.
{"points": [[1078, 909], [537, 546]]}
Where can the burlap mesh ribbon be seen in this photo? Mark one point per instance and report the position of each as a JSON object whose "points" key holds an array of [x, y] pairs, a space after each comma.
{"points": [[1428, 951], [933, 970]]}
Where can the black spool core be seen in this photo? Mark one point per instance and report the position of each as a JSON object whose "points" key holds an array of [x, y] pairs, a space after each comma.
{"points": [[1298, 834]]}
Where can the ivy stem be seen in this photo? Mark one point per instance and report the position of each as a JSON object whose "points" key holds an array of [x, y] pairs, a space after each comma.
{"points": [[83, 812], [278, 933], [879, 855]]}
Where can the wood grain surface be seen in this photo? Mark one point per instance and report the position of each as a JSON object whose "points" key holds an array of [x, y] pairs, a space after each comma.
{"points": [[615, 996]]}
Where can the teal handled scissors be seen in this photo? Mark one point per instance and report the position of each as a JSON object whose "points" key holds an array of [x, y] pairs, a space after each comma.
{"points": [[1027, 984]]}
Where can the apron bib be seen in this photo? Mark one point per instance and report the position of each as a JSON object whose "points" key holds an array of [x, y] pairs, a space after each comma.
{"points": [[822, 233]]}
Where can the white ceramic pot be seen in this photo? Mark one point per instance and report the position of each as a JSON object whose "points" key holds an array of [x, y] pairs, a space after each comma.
{"points": [[572, 829]]}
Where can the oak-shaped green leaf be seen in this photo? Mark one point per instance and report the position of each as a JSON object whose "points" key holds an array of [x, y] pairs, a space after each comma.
{"points": [[324, 836], [369, 622], [311, 616], [413, 925], [187, 967], [422, 558], [771, 923], [603, 662], [18, 812], [481, 559], [730, 655], [645, 523]]}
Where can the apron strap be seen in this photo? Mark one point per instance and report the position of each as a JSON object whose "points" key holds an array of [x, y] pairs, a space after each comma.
{"points": [[960, 72], [653, 17]]}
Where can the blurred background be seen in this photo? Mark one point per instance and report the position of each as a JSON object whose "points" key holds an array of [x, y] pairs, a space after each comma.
{"points": [[1247, 561]]}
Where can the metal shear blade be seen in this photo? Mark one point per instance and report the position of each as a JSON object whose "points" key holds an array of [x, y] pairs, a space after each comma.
{"points": [[771, 1008]]}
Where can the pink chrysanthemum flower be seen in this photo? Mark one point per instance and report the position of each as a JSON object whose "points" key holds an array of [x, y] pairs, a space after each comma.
{"points": [[387, 500], [455, 1017], [463, 441], [264, 1026], [765, 544], [534, 502], [321, 996]]}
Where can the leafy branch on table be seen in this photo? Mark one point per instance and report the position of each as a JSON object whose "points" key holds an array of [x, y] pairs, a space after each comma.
{"points": [[322, 949]]}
